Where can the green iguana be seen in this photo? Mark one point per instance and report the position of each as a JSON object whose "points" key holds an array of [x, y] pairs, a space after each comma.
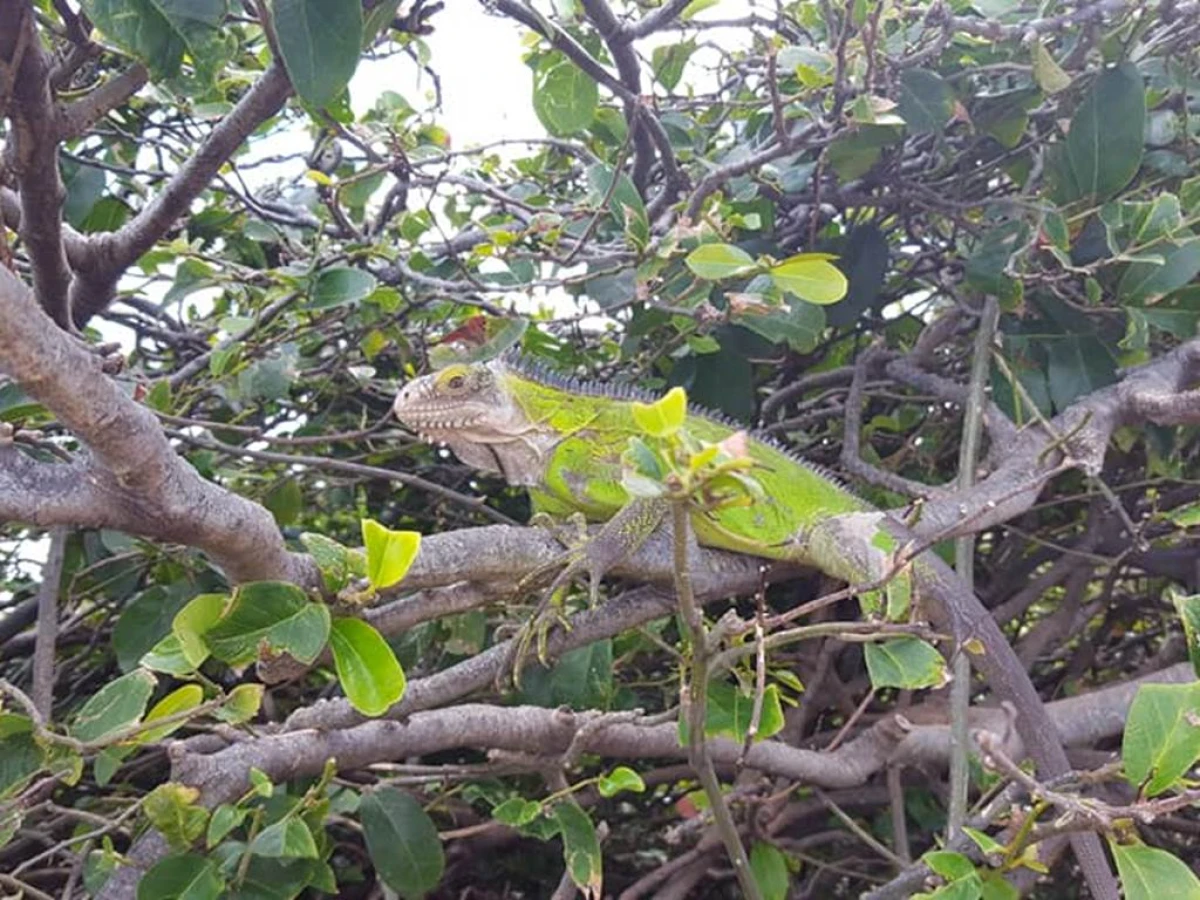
{"points": [[564, 439]]}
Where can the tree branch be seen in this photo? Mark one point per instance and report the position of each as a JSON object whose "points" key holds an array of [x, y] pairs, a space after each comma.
{"points": [[133, 468], [110, 254]]}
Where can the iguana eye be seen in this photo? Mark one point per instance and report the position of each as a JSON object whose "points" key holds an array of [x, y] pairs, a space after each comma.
{"points": [[456, 382]]}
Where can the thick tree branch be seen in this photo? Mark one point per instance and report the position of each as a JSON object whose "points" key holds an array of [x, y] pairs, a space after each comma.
{"points": [[32, 154], [75, 119], [1162, 392], [138, 471], [111, 253]]}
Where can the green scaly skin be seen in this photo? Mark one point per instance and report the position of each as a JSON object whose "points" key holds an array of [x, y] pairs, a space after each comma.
{"points": [[563, 440]]}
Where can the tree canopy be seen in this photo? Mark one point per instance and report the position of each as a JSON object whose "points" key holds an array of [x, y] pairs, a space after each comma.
{"points": [[257, 640]]}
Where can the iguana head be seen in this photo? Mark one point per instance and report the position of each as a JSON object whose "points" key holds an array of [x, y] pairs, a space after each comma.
{"points": [[469, 408]]}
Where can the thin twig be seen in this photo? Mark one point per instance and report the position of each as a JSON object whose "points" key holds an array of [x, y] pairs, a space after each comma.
{"points": [[964, 563]]}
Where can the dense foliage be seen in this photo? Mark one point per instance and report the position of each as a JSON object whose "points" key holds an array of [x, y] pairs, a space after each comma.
{"points": [[816, 217]]}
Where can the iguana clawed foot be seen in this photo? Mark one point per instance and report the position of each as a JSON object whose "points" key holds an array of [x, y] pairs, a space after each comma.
{"points": [[577, 560]]}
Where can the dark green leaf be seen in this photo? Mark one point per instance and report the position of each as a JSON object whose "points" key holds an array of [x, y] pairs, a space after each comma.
{"points": [[146, 621], [184, 876], [20, 756], [403, 842], [285, 501], [320, 41], [926, 101], [853, 155], [1103, 148], [1151, 281]]}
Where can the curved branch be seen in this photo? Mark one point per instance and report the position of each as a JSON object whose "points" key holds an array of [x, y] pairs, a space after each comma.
{"points": [[151, 488], [110, 254]]}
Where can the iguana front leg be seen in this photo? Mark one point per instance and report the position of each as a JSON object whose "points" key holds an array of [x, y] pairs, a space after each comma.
{"points": [[595, 554]]}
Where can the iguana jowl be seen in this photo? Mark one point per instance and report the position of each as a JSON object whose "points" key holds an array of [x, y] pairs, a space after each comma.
{"points": [[563, 439]]}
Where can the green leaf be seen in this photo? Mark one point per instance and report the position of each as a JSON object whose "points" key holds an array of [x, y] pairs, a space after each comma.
{"points": [[664, 416], [581, 679], [145, 621], [668, 62], [167, 656], [714, 262], [320, 42], [158, 32], [390, 554], [1148, 873], [21, 757], [85, 185], [242, 704], [984, 841], [1162, 735], [180, 700], [1151, 280], [172, 809], [905, 662], [696, 7], [864, 258], [268, 618], [517, 811], [581, 848], [288, 838], [1076, 364], [223, 820], [183, 876], [622, 778], [950, 865], [285, 501], [340, 284], [1189, 616], [403, 842], [810, 277], [564, 97], [114, 707], [337, 563], [1103, 148], [798, 323], [926, 100], [624, 202], [853, 155], [1046, 72], [986, 267], [366, 666], [193, 621], [730, 710], [770, 869]]}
